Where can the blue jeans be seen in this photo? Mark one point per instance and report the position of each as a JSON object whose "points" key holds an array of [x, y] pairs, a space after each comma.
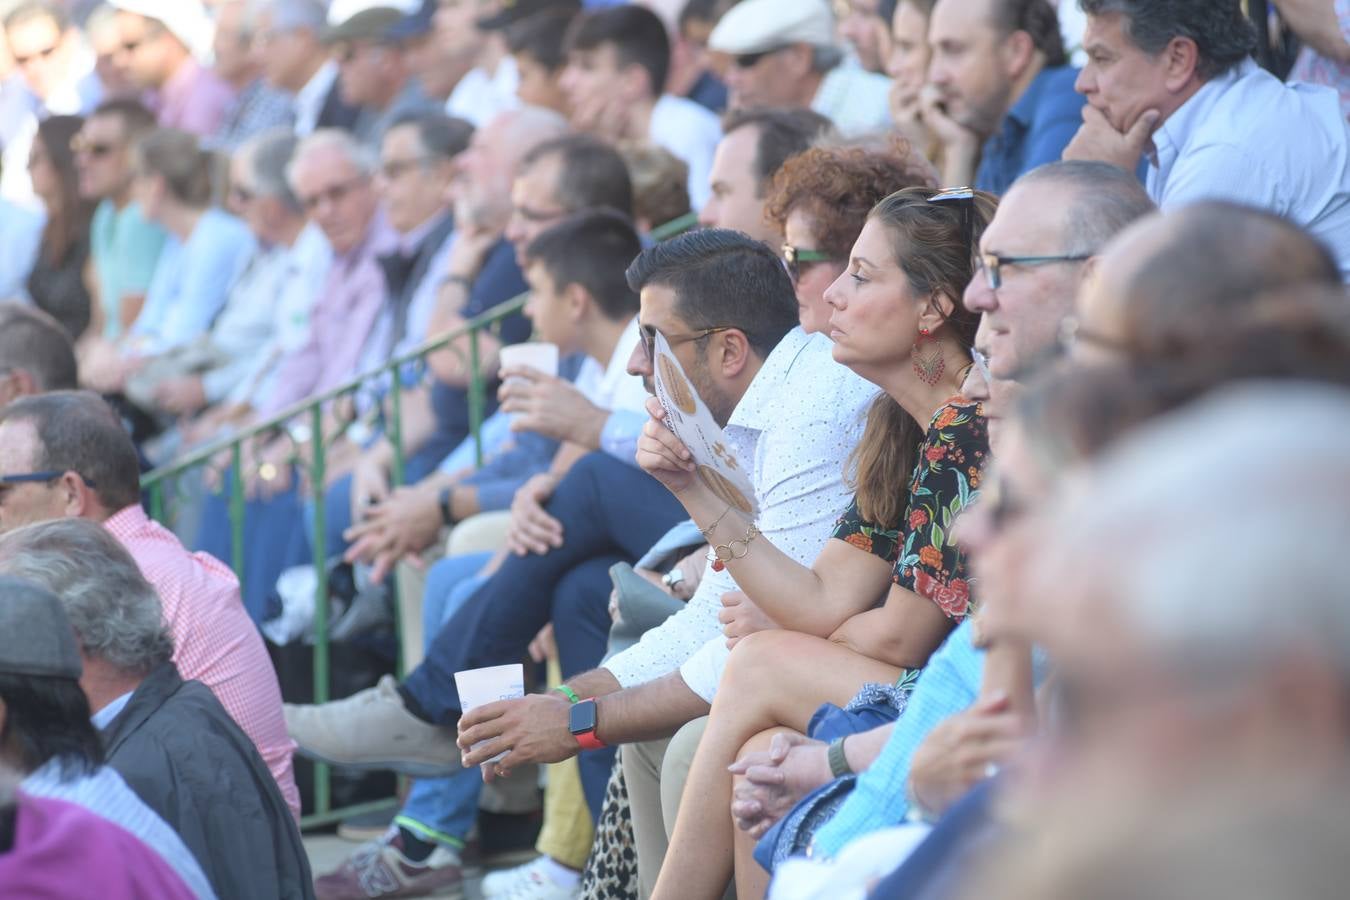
{"points": [[443, 809], [275, 538], [610, 512]]}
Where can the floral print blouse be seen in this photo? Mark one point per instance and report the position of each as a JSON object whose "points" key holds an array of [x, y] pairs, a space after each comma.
{"points": [[946, 480]]}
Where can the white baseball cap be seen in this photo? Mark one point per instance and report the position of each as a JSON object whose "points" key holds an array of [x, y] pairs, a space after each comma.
{"points": [[185, 19], [754, 26]]}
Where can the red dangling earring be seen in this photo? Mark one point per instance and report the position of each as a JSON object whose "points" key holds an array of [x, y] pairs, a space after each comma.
{"points": [[929, 363]]}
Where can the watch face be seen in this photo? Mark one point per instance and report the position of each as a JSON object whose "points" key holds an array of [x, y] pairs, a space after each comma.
{"points": [[582, 719]]}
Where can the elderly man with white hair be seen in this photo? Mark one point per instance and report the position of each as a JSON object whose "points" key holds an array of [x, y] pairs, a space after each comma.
{"points": [[171, 740]]}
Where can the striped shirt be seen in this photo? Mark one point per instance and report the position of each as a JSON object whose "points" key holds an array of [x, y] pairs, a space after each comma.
{"points": [[105, 794]]}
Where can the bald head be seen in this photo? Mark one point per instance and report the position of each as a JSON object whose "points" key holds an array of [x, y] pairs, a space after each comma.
{"points": [[1169, 278]]}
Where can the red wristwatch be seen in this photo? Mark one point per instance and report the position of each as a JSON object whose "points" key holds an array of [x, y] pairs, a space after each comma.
{"points": [[582, 724]]}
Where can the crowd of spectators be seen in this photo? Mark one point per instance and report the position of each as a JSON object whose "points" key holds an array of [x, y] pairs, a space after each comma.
{"points": [[996, 305]]}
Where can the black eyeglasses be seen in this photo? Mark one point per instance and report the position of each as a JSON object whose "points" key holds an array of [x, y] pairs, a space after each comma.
{"points": [[334, 194], [750, 60], [649, 338], [992, 263], [31, 477], [966, 198], [794, 258]]}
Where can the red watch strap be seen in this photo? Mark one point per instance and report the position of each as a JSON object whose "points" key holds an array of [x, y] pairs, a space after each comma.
{"points": [[588, 741]]}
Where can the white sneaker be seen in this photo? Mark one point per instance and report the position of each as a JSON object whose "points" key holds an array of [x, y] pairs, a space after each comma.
{"points": [[528, 882]]}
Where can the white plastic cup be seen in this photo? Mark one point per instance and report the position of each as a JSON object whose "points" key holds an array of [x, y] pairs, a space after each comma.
{"points": [[533, 355], [478, 687]]}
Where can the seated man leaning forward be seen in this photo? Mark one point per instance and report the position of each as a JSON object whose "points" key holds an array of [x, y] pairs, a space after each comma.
{"points": [[65, 454], [171, 739], [791, 414]]}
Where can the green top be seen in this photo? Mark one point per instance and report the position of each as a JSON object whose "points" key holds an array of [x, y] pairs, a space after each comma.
{"points": [[125, 247]]}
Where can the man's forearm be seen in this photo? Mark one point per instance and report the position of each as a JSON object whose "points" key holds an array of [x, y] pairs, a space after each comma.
{"points": [[647, 712]]}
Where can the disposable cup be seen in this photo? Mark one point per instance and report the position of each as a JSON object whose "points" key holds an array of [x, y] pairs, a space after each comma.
{"points": [[481, 686], [533, 355]]}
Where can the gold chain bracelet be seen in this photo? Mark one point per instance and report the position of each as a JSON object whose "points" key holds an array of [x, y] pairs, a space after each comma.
{"points": [[737, 549], [708, 532]]}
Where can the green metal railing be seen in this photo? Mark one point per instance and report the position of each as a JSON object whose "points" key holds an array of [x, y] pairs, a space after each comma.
{"points": [[303, 424]]}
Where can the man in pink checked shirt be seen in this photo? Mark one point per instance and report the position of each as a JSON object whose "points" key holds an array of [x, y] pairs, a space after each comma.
{"points": [[66, 454]]}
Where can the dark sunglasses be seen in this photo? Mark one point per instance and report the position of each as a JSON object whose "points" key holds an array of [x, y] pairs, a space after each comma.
{"points": [[80, 146], [750, 60], [794, 258], [41, 54]]}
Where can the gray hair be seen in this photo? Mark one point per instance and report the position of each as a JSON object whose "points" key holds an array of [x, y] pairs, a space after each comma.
{"points": [[1222, 34], [362, 158], [116, 614], [293, 15], [1106, 200], [1204, 558], [266, 156]]}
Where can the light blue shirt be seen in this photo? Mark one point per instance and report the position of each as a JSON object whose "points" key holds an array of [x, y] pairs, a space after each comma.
{"points": [[1248, 137], [104, 717], [20, 235], [949, 684], [191, 282], [107, 796]]}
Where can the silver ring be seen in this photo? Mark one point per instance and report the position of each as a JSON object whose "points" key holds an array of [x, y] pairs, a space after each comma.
{"points": [[990, 770]]}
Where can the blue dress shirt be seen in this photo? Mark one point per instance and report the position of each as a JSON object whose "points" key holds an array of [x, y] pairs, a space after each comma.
{"points": [[1035, 131]]}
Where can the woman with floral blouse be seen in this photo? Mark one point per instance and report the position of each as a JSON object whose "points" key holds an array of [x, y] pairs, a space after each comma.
{"points": [[885, 592]]}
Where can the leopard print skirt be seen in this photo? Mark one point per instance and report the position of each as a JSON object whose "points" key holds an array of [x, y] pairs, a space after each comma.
{"points": [[612, 870]]}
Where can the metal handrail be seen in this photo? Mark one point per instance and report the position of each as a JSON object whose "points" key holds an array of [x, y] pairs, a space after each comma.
{"points": [[155, 482]]}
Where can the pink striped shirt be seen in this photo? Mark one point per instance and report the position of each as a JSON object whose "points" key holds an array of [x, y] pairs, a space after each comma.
{"points": [[215, 642]]}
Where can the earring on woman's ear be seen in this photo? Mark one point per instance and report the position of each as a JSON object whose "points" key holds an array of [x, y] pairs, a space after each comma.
{"points": [[929, 361]]}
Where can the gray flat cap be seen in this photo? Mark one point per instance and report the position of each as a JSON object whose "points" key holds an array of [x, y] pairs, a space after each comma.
{"points": [[35, 635]]}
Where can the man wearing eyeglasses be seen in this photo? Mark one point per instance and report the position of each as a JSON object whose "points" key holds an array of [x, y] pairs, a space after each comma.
{"points": [[57, 69], [124, 245], [1037, 251], [784, 53]]}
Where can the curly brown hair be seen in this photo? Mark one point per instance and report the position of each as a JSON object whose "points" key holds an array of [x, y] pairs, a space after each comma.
{"points": [[838, 186]]}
